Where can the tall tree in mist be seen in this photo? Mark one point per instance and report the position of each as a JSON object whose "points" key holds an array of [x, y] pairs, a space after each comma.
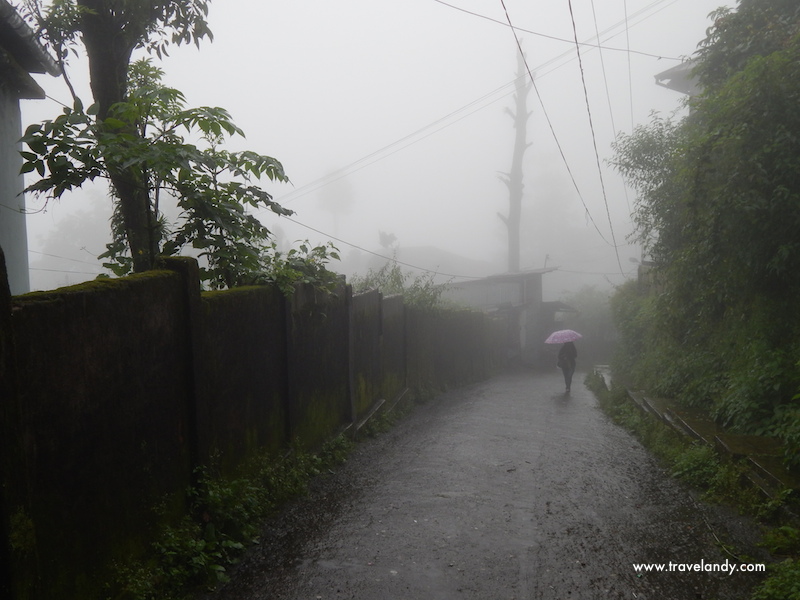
{"points": [[718, 207], [513, 179], [109, 32], [136, 136]]}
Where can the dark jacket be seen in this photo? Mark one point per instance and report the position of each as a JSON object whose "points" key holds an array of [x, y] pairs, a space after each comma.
{"points": [[567, 356]]}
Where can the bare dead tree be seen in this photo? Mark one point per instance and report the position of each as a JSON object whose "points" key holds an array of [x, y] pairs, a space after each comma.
{"points": [[513, 179]]}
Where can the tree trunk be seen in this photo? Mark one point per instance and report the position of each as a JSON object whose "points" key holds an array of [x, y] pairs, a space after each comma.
{"points": [[109, 40], [514, 178]]}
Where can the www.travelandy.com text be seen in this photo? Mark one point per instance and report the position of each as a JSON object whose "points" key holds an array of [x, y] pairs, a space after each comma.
{"points": [[674, 567]]}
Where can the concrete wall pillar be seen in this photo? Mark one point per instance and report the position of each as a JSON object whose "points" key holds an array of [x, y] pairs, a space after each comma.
{"points": [[13, 231]]}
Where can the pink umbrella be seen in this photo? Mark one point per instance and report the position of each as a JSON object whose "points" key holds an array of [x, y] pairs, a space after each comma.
{"points": [[562, 336]]}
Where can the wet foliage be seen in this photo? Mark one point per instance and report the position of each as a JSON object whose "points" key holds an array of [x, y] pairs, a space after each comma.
{"points": [[158, 156], [420, 291], [226, 515], [714, 324], [720, 482]]}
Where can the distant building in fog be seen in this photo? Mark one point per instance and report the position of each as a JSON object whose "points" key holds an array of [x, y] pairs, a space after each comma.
{"points": [[516, 299]]}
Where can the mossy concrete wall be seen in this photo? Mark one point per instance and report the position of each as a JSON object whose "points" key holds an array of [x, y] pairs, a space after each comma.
{"points": [[242, 391], [365, 336], [449, 348], [318, 364], [114, 391], [10, 452], [377, 339], [103, 427], [392, 347]]}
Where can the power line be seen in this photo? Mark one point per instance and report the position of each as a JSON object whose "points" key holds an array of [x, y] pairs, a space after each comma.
{"points": [[85, 262], [603, 69], [449, 119], [630, 71], [62, 271], [608, 92], [397, 145], [560, 270], [378, 254], [411, 139], [594, 136], [558, 39], [630, 92], [552, 128]]}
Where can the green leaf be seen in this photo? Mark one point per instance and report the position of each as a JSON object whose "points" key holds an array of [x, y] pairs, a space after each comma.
{"points": [[28, 167], [114, 123]]}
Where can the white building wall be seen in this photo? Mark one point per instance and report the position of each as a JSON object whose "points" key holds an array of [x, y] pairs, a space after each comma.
{"points": [[13, 232]]}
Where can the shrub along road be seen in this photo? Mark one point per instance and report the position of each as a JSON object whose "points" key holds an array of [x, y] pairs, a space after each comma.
{"points": [[504, 489]]}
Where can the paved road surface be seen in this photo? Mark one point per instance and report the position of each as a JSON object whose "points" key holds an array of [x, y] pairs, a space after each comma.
{"points": [[507, 489]]}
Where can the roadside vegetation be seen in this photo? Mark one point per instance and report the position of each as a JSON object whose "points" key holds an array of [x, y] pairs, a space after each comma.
{"points": [[390, 279], [226, 516], [714, 323], [717, 481]]}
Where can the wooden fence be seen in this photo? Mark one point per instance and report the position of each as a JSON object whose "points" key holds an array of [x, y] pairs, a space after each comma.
{"points": [[114, 391]]}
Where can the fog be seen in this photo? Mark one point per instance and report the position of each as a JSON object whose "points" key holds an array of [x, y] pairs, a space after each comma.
{"points": [[389, 117]]}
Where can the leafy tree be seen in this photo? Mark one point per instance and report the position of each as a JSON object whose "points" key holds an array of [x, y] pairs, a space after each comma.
{"points": [[648, 160], [304, 264], [719, 208], [420, 291], [135, 134], [755, 28], [110, 31]]}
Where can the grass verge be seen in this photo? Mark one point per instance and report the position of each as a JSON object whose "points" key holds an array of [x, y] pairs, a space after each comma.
{"points": [[226, 515], [719, 481]]}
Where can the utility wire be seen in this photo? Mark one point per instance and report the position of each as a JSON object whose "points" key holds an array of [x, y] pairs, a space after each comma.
{"points": [[608, 92], [552, 128], [378, 254], [446, 121], [630, 75], [560, 270], [85, 262], [411, 138], [630, 93], [594, 136], [62, 271], [603, 69], [558, 39], [355, 166]]}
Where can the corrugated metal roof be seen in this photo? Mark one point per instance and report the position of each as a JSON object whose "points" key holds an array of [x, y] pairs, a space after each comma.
{"points": [[679, 78], [20, 42]]}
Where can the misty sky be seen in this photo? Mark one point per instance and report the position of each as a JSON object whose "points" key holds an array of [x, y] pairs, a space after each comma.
{"points": [[389, 116]]}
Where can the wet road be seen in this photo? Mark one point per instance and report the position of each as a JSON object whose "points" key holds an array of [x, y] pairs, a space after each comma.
{"points": [[507, 489]]}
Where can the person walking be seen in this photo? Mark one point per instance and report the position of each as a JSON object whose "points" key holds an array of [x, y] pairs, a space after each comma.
{"points": [[567, 357]]}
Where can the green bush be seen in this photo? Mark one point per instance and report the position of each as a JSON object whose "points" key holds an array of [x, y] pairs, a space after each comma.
{"points": [[697, 464], [783, 582], [720, 481], [743, 371], [783, 540], [420, 291], [226, 517]]}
